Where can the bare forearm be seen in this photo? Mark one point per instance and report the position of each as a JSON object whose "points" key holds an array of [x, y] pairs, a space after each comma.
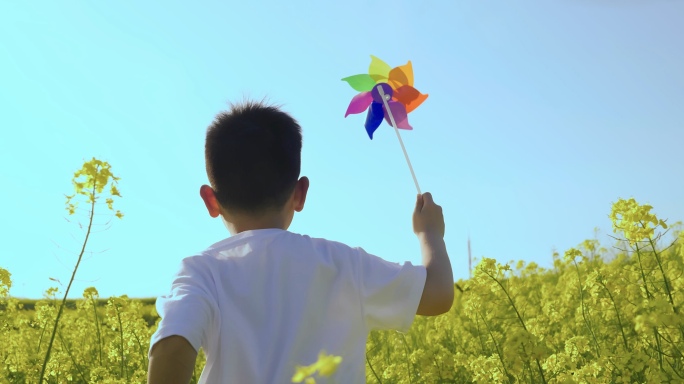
{"points": [[428, 225], [439, 284], [436, 260], [171, 362]]}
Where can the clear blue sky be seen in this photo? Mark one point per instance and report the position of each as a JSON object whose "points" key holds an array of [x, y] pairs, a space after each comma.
{"points": [[540, 115]]}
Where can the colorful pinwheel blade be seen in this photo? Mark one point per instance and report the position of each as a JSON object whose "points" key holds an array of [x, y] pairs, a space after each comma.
{"points": [[401, 75], [399, 113], [359, 103], [397, 91], [409, 96], [374, 118], [378, 69], [361, 83]]}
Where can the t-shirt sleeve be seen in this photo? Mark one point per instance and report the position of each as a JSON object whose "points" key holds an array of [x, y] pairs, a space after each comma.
{"points": [[189, 309], [390, 292]]}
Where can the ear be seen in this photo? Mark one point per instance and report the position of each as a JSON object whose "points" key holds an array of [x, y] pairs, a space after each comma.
{"points": [[300, 191], [210, 201]]}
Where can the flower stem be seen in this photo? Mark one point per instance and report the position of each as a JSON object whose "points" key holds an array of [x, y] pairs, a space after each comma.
{"points": [[498, 351], [97, 326], [617, 312], [662, 272], [66, 293], [584, 312], [510, 300]]}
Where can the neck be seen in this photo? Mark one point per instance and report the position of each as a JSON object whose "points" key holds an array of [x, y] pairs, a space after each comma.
{"points": [[237, 223]]}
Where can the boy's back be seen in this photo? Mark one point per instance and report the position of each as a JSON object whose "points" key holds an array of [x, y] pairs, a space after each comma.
{"points": [[263, 301], [266, 300]]}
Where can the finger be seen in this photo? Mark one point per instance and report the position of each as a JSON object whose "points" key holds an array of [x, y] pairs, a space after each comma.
{"points": [[419, 203], [427, 199]]}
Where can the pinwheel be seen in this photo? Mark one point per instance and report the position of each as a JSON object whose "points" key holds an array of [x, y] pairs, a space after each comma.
{"points": [[387, 93], [397, 85]]}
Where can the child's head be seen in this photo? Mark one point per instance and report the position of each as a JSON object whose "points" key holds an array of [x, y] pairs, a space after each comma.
{"points": [[253, 157]]}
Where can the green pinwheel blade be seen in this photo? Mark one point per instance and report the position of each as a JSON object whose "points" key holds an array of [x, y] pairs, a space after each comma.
{"points": [[361, 83]]}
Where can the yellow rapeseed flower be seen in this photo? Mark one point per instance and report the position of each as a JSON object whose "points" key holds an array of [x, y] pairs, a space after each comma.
{"points": [[5, 282], [325, 366], [635, 221], [91, 181], [302, 372], [90, 293], [571, 255]]}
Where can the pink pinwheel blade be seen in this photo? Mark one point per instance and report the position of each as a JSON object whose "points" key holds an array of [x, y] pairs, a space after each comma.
{"points": [[399, 113], [359, 103]]}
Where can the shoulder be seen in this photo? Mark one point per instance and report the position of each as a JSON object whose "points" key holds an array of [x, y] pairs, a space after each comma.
{"points": [[296, 240], [196, 270], [196, 263], [335, 247]]}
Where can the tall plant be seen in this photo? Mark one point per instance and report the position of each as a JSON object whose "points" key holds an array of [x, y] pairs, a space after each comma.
{"points": [[89, 185]]}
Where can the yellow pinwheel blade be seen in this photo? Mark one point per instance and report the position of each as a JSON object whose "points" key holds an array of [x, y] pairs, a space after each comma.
{"points": [[378, 70], [401, 75]]}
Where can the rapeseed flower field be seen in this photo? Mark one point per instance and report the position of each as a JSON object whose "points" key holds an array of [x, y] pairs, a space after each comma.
{"points": [[596, 316]]}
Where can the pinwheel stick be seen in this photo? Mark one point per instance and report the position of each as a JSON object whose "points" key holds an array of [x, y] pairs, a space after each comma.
{"points": [[401, 142]]}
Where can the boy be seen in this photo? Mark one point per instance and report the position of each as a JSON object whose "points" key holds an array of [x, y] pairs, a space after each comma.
{"points": [[265, 300]]}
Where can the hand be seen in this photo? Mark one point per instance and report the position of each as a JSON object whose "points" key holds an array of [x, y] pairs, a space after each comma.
{"points": [[427, 217]]}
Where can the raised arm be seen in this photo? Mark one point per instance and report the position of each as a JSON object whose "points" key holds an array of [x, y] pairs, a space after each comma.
{"points": [[172, 361], [428, 225]]}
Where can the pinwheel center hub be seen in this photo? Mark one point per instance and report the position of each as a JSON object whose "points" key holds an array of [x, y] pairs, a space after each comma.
{"points": [[387, 91]]}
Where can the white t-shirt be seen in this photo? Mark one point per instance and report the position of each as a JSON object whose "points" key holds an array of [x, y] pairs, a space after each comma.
{"points": [[263, 301]]}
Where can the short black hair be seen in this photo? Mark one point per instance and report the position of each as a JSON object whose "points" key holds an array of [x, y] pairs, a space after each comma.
{"points": [[253, 157]]}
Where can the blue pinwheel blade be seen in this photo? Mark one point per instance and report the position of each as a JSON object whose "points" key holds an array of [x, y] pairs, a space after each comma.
{"points": [[374, 118]]}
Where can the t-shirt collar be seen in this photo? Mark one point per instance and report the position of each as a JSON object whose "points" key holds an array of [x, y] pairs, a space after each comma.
{"points": [[247, 234]]}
